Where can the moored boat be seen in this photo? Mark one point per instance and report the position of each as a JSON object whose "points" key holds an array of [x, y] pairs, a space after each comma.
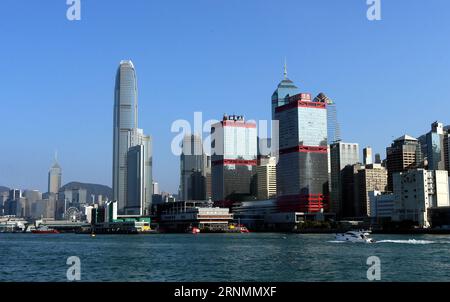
{"points": [[44, 230]]}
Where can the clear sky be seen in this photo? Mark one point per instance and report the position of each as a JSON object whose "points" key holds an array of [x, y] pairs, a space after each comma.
{"points": [[388, 77]]}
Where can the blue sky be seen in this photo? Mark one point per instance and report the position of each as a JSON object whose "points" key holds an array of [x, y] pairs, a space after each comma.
{"points": [[388, 77]]}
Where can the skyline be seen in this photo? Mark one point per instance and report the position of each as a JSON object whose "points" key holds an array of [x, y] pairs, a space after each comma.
{"points": [[219, 65]]}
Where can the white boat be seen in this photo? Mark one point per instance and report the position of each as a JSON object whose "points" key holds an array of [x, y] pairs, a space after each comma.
{"points": [[355, 236]]}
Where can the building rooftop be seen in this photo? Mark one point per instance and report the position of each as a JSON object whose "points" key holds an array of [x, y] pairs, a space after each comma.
{"points": [[406, 138]]}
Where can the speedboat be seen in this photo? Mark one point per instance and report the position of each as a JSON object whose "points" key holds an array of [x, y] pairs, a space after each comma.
{"points": [[355, 236]]}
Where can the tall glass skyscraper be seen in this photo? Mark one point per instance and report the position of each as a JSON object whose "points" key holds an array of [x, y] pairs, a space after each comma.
{"points": [[54, 178], [193, 163], [435, 147], [126, 136], [302, 171], [334, 128], [343, 157]]}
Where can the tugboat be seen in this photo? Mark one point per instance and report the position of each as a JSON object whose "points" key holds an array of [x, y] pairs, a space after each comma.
{"points": [[44, 230]]}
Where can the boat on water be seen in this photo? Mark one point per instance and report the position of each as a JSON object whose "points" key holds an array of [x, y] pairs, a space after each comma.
{"points": [[44, 230], [195, 230], [355, 236], [239, 228]]}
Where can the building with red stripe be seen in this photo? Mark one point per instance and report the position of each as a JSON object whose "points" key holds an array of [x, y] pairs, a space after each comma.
{"points": [[302, 171], [234, 159]]}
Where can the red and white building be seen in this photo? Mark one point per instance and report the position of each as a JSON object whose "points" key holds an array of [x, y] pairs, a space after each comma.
{"points": [[302, 171], [234, 159]]}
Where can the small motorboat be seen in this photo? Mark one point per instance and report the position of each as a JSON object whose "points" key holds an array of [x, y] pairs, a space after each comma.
{"points": [[355, 236], [44, 230]]}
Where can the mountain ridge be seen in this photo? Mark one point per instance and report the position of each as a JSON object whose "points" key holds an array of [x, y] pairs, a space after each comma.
{"points": [[92, 189]]}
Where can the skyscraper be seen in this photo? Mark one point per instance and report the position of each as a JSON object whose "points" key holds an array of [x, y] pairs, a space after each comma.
{"points": [[404, 154], [302, 171], [343, 157], [334, 128], [192, 169], [54, 178], [434, 147], [125, 136], [234, 159], [135, 181], [378, 158], [142, 183], [368, 156], [156, 188]]}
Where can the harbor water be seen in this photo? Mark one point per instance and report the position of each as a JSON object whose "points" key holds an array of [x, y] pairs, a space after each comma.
{"points": [[222, 257]]}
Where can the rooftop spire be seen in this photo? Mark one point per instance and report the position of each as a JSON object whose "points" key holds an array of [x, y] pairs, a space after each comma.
{"points": [[285, 69]]}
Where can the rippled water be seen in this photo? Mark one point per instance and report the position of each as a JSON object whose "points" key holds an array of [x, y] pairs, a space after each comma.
{"points": [[222, 257]]}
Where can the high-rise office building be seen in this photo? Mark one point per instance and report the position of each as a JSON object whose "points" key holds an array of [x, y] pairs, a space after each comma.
{"points": [[140, 179], [447, 151], [126, 136], [378, 158], [369, 178], [404, 154], [156, 190], [302, 171], [434, 147], [266, 173], [343, 157], [193, 169], [368, 156], [75, 196], [334, 128], [125, 121], [135, 181], [15, 194], [16, 205], [54, 178], [32, 197], [234, 159]]}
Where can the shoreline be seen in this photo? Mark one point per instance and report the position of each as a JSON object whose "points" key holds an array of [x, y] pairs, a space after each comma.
{"points": [[303, 232]]}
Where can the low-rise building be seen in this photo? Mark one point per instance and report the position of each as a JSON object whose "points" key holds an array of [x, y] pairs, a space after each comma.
{"points": [[416, 191], [180, 215], [381, 205], [369, 178]]}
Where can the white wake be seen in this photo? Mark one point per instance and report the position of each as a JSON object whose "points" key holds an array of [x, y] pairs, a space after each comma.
{"points": [[410, 241]]}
